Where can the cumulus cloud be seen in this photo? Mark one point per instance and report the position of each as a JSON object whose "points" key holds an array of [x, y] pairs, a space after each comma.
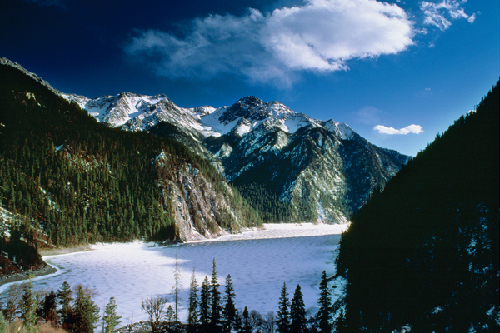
{"points": [[439, 14], [319, 36], [416, 129]]}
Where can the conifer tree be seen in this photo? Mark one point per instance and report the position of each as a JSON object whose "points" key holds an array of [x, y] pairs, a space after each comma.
{"points": [[282, 317], [49, 308], [205, 303], [64, 296], [28, 307], [297, 312], [192, 318], [177, 288], [86, 312], [246, 327], [111, 318], [229, 311], [325, 305], [216, 307]]}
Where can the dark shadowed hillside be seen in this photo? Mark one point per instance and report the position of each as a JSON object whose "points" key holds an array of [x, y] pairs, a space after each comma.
{"points": [[65, 179], [423, 252]]}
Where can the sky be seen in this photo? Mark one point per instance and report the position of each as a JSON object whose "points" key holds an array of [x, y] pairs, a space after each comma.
{"points": [[397, 72]]}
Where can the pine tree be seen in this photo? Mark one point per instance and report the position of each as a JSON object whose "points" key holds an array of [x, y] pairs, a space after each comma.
{"points": [[28, 305], [86, 312], [246, 327], [205, 303], [49, 308], [297, 312], [192, 318], [229, 311], [282, 317], [64, 295], [176, 290], [325, 305], [111, 318], [216, 307]]}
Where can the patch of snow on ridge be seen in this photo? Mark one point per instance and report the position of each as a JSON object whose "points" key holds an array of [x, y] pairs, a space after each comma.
{"points": [[340, 129]]}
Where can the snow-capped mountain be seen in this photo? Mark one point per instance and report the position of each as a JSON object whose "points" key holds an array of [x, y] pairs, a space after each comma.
{"points": [[319, 170]]}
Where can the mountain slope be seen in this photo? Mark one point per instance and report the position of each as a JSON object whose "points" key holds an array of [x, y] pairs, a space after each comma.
{"points": [[424, 251], [288, 165], [78, 181]]}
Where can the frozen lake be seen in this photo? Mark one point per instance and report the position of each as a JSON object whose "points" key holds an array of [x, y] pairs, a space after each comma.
{"points": [[258, 261]]}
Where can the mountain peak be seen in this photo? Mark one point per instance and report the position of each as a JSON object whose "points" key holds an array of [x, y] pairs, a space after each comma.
{"points": [[249, 101]]}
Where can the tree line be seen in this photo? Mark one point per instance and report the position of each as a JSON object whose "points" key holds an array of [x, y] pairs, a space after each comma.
{"points": [[209, 310], [66, 310], [75, 181]]}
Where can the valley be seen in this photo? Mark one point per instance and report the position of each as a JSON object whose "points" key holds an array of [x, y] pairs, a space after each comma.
{"points": [[259, 261]]}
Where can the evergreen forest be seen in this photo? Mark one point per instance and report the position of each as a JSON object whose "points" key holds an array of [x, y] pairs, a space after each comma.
{"points": [[423, 252], [67, 180]]}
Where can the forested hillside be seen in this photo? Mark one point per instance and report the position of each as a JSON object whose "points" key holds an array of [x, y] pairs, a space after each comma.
{"points": [[70, 180], [423, 252]]}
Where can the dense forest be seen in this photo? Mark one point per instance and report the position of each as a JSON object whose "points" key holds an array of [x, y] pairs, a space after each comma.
{"points": [[424, 251], [69, 180]]}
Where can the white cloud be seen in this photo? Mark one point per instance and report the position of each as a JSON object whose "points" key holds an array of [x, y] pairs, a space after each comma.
{"points": [[416, 129], [439, 14], [319, 36]]}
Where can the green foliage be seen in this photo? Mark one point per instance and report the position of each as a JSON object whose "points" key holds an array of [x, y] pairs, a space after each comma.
{"points": [[192, 318], [111, 318], [424, 250], [3, 323], [85, 311], [64, 296], [216, 307], [229, 311], [283, 315], [297, 313], [82, 182], [205, 303], [325, 305], [28, 307]]}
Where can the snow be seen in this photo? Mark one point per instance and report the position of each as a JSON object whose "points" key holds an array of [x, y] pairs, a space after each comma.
{"points": [[259, 261]]}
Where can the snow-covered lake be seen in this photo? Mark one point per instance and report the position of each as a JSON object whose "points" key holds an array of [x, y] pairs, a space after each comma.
{"points": [[258, 261]]}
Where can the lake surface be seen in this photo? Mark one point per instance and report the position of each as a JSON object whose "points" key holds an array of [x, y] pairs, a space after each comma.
{"points": [[258, 261]]}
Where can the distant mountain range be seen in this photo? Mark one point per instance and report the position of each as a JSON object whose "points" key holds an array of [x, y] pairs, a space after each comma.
{"points": [[207, 165], [286, 164]]}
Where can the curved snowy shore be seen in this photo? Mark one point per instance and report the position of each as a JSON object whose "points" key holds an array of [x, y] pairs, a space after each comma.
{"points": [[259, 261]]}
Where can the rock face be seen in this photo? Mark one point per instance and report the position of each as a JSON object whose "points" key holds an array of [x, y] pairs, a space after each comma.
{"points": [[319, 170], [82, 182]]}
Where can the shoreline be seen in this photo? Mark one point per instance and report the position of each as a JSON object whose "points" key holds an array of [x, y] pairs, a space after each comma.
{"points": [[24, 276], [64, 250]]}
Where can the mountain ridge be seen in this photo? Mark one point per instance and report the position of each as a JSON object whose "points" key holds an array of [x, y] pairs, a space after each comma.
{"points": [[246, 135]]}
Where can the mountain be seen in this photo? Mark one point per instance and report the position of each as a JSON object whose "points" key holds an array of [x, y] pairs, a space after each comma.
{"points": [[423, 254], [286, 164], [66, 179]]}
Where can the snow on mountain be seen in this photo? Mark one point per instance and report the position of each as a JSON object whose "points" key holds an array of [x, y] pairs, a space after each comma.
{"points": [[140, 112], [319, 169]]}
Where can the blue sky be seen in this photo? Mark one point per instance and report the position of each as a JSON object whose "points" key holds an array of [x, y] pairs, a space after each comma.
{"points": [[397, 72]]}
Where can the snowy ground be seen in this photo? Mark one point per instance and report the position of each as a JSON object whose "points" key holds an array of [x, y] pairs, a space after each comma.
{"points": [[258, 261]]}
